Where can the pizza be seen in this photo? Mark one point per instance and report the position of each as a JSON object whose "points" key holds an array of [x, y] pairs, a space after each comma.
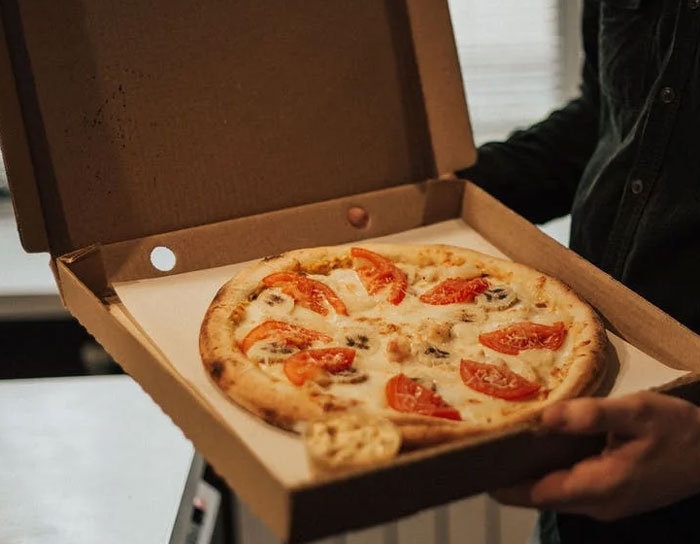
{"points": [[442, 342]]}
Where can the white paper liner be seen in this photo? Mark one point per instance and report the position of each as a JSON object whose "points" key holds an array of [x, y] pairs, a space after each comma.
{"points": [[170, 310]]}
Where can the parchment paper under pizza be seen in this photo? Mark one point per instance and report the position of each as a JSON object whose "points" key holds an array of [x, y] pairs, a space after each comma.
{"points": [[443, 342]]}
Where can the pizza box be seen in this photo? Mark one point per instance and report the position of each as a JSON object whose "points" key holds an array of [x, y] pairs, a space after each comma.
{"points": [[224, 132]]}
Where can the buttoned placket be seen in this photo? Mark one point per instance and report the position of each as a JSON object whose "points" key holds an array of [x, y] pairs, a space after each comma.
{"points": [[656, 131]]}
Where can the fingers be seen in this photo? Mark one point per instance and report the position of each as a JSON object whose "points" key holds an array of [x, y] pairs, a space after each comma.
{"points": [[588, 481], [517, 495], [573, 490], [653, 435], [448, 176], [626, 416]]}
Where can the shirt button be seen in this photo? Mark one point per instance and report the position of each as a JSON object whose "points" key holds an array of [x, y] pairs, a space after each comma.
{"points": [[667, 94], [637, 186], [694, 4]]}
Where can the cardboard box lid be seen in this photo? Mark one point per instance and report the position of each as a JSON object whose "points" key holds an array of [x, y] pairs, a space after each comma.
{"points": [[123, 119]]}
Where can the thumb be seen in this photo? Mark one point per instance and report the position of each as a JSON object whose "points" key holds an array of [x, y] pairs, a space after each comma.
{"points": [[624, 416]]}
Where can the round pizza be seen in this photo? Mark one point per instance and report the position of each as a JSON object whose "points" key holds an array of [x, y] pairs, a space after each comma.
{"points": [[443, 342]]}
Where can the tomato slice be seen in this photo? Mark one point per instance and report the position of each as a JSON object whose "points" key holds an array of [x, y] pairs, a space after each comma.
{"points": [[496, 381], [455, 290], [307, 292], [518, 337], [405, 395], [291, 335], [310, 363], [378, 273]]}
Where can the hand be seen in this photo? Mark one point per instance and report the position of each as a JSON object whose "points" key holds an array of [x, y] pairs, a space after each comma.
{"points": [[450, 176], [652, 457]]}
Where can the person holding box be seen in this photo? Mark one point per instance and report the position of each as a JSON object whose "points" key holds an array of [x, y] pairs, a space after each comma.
{"points": [[624, 159]]}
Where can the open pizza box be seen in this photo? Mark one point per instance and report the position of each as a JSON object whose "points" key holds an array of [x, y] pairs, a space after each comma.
{"points": [[227, 131]]}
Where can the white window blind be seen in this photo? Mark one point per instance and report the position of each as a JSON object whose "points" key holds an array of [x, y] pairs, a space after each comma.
{"points": [[515, 59]]}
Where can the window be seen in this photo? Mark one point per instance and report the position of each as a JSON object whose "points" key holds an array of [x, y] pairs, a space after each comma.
{"points": [[519, 60]]}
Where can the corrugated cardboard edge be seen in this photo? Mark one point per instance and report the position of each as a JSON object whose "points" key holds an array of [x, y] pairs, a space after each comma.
{"points": [[386, 492], [41, 204], [669, 341], [17, 155], [181, 403], [443, 92], [215, 244], [293, 513], [686, 387]]}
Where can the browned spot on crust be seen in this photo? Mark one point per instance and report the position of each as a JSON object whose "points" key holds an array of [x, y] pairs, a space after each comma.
{"points": [[295, 266], [425, 260], [582, 344], [269, 415], [541, 304], [273, 417], [541, 281], [272, 257], [216, 370], [325, 267], [452, 260], [220, 295]]}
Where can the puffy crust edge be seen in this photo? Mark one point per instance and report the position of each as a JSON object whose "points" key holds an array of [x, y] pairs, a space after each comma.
{"points": [[285, 406]]}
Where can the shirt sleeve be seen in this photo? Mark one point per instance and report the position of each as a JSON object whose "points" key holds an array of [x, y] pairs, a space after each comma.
{"points": [[536, 171]]}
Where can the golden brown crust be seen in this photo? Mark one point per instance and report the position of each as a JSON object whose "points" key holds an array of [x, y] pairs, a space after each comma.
{"points": [[285, 405], [350, 440]]}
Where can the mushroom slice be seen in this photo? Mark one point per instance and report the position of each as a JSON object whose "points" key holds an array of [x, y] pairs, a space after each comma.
{"points": [[471, 313], [350, 440], [276, 302], [364, 340], [497, 297], [430, 355], [270, 352], [351, 375]]}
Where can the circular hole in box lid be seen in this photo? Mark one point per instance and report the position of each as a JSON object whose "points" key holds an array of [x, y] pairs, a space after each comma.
{"points": [[163, 258], [358, 217]]}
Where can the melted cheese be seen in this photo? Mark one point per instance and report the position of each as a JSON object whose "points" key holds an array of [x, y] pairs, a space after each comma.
{"points": [[435, 356]]}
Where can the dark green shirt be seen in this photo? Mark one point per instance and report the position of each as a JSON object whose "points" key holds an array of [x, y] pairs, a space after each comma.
{"points": [[624, 160]]}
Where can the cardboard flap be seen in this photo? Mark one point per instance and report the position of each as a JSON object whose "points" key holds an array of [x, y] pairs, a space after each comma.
{"points": [[146, 117]]}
